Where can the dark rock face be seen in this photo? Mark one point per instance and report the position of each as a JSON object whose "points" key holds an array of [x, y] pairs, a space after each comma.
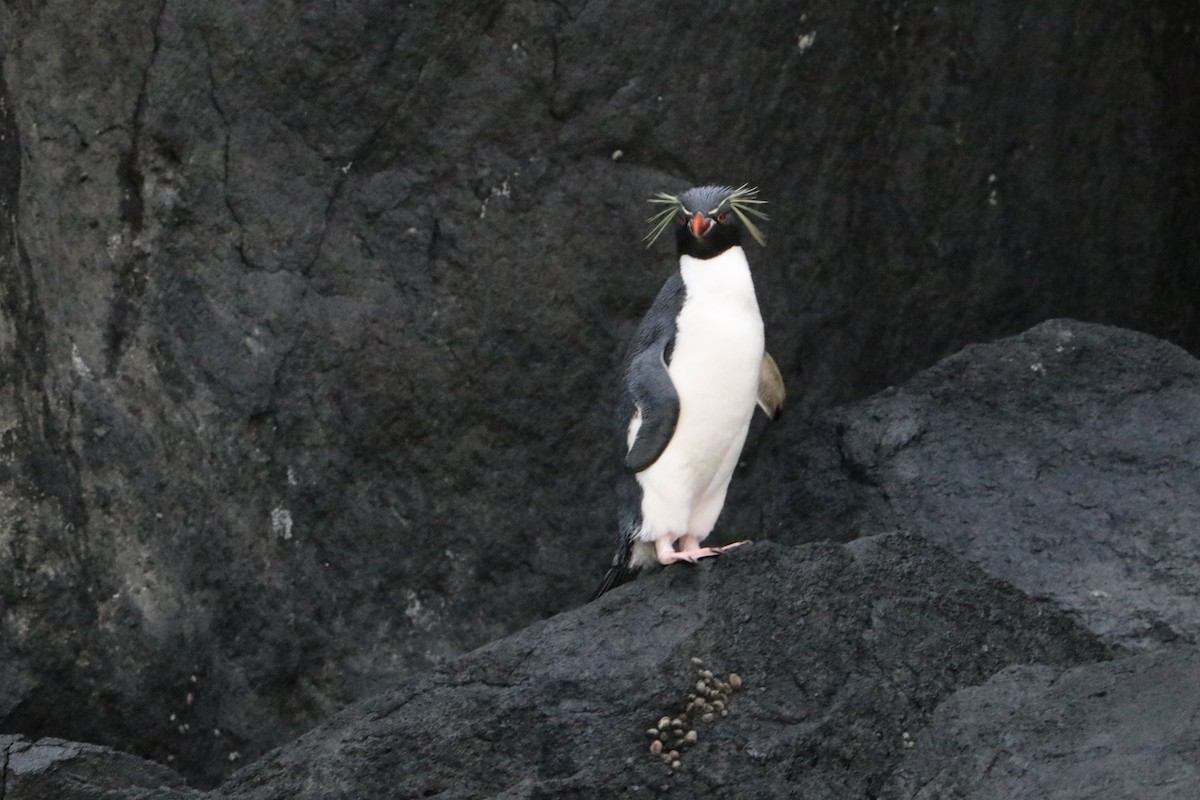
{"points": [[842, 652], [1056, 460], [308, 322], [1123, 729], [52, 768], [886, 666]]}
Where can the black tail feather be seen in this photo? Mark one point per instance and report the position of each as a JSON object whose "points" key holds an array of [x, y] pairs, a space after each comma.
{"points": [[619, 573]]}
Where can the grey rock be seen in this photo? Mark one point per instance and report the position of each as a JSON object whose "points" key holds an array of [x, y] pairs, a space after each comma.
{"points": [[53, 769], [308, 320], [843, 652], [1059, 460], [1125, 730], [887, 666]]}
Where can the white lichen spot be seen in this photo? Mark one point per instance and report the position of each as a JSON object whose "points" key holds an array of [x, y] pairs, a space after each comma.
{"points": [[253, 344], [416, 612], [617, 154], [503, 190], [1098, 594], [993, 195], [1038, 368], [806, 40], [281, 523], [291, 476], [114, 246], [77, 362]]}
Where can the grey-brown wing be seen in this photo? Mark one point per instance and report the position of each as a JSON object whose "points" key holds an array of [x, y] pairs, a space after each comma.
{"points": [[771, 392]]}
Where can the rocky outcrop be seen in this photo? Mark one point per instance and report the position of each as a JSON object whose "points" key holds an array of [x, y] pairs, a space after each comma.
{"points": [[1126, 728], [841, 653], [910, 661], [53, 768], [1060, 461], [308, 318]]}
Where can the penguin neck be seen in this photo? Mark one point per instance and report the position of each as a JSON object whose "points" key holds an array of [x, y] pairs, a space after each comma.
{"points": [[726, 275]]}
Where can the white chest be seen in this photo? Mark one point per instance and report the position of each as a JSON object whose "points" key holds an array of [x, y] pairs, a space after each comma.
{"points": [[719, 333], [718, 352]]}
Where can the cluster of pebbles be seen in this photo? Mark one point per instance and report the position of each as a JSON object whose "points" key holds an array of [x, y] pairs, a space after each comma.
{"points": [[709, 700]]}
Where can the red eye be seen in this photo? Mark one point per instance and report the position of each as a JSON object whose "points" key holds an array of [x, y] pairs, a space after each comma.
{"points": [[722, 217]]}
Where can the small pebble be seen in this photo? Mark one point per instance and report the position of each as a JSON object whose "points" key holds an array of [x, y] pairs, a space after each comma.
{"points": [[692, 737], [664, 723], [652, 732], [677, 723], [706, 674], [708, 717], [725, 712], [696, 661], [676, 764], [674, 754], [735, 680], [656, 747], [701, 686]]}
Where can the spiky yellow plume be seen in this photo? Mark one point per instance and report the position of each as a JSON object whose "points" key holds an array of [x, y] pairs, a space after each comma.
{"points": [[742, 201]]}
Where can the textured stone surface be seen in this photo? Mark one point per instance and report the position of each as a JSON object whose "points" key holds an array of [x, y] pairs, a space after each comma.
{"points": [[1127, 730], [883, 667], [842, 650], [60, 770], [309, 314], [1059, 460]]}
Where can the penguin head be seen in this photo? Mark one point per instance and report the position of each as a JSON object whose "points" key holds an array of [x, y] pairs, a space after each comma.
{"points": [[708, 220]]}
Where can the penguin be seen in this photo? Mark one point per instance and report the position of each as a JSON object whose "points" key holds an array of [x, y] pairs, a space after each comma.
{"points": [[692, 375]]}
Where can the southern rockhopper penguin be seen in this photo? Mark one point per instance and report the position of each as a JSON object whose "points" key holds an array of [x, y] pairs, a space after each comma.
{"points": [[691, 378]]}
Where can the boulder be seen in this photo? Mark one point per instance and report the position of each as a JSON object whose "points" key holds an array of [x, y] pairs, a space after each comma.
{"points": [[1061, 461], [61, 770], [841, 653], [1121, 729], [902, 662]]}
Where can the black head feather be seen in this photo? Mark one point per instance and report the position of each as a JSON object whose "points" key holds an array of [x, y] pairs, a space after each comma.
{"points": [[724, 212]]}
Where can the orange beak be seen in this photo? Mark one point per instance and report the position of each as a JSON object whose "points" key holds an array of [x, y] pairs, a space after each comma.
{"points": [[699, 225]]}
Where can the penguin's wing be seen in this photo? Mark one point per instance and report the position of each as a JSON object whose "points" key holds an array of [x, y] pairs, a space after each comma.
{"points": [[655, 408], [771, 393], [649, 406]]}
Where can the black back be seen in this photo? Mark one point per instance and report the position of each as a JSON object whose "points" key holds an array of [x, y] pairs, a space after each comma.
{"points": [[646, 385]]}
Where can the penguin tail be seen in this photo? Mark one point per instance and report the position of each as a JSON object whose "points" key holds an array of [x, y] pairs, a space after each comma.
{"points": [[621, 572]]}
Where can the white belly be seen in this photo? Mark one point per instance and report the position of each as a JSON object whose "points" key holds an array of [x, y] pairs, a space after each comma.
{"points": [[714, 367]]}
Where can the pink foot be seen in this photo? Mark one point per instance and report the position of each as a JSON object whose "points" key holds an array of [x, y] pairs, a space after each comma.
{"points": [[690, 550], [690, 556]]}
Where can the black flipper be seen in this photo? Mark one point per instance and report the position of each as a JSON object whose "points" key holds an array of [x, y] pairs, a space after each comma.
{"points": [[655, 398], [646, 387]]}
